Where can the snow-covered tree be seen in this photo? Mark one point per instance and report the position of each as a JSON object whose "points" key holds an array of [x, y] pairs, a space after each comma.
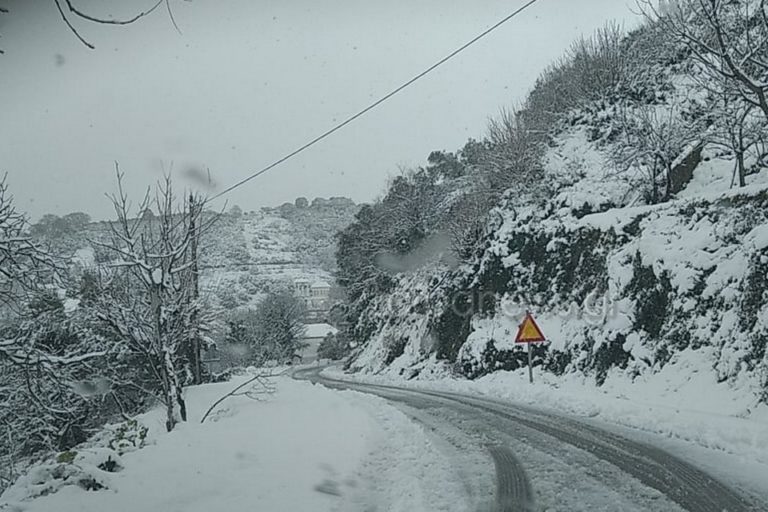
{"points": [[334, 347], [270, 332], [155, 310], [729, 39], [590, 70], [24, 264], [278, 326]]}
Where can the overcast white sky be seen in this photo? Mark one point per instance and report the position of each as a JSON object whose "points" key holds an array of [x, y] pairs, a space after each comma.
{"points": [[250, 80]]}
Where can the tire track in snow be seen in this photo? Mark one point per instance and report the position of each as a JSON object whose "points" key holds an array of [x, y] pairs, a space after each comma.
{"points": [[513, 491], [568, 479], [684, 484]]}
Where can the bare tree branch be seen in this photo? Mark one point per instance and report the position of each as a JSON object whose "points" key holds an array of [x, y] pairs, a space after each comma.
{"points": [[71, 27], [253, 388], [68, 9], [109, 21]]}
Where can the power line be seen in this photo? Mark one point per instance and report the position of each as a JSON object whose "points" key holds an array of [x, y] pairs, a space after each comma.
{"points": [[374, 104]]}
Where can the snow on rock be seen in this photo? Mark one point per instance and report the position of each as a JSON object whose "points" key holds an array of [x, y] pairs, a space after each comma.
{"points": [[758, 237], [591, 179], [402, 323]]}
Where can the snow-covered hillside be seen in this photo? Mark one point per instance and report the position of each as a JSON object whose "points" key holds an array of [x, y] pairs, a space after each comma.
{"points": [[641, 283], [627, 279], [245, 255]]}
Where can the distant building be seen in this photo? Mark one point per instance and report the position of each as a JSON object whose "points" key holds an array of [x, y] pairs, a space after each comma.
{"points": [[302, 288], [315, 296]]}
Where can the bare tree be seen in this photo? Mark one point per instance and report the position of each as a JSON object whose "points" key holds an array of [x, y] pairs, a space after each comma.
{"points": [[728, 42], [740, 130], [728, 39], [591, 69]]}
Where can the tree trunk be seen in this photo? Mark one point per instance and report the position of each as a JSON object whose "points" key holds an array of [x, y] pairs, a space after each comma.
{"points": [[166, 365], [741, 170], [172, 390]]}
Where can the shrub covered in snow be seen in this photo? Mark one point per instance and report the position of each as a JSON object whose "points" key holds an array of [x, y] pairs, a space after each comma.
{"points": [[88, 469]]}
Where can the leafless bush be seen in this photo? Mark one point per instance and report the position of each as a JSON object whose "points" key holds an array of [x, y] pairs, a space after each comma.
{"points": [[652, 139], [597, 62], [513, 159], [591, 69]]}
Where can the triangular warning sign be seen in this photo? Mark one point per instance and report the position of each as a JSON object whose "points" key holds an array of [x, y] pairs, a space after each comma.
{"points": [[529, 331]]}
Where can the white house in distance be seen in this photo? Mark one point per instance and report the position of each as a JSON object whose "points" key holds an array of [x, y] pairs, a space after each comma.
{"points": [[315, 296], [313, 336]]}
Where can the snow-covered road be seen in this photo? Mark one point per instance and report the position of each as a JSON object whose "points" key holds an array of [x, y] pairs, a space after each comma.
{"points": [[546, 461], [352, 447]]}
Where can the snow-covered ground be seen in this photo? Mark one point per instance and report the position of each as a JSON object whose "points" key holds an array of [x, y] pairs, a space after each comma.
{"points": [[305, 448]]}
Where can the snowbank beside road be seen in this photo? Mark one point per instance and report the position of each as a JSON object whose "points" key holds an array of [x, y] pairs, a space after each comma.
{"points": [[305, 448]]}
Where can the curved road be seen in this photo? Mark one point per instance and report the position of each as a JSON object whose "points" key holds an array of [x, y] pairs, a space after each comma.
{"points": [[547, 461]]}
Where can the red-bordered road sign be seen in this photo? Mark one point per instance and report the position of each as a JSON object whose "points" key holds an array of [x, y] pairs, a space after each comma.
{"points": [[529, 331]]}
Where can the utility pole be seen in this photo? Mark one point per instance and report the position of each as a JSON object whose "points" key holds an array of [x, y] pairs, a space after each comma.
{"points": [[194, 318]]}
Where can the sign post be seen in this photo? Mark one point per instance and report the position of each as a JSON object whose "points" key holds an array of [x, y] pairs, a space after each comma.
{"points": [[529, 333], [530, 364]]}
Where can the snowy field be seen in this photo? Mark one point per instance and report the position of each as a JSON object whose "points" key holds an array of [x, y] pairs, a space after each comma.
{"points": [[305, 448]]}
